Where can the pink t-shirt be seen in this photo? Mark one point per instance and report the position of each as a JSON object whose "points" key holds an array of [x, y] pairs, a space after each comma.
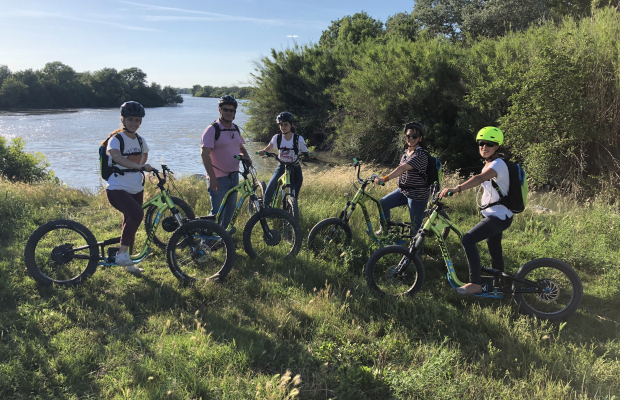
{"points": [[223, 150]]}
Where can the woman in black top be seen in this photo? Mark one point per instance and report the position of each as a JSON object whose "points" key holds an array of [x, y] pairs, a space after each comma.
{"points": [[411, 172]]}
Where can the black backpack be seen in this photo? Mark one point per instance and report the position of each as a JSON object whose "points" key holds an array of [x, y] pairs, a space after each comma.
{"points": [[516, 199], [219, 130], [104, 165], [295, 142], [433, 172]]}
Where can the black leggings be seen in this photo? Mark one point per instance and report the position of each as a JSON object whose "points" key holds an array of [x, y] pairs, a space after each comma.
{"points": [[490, 228]]}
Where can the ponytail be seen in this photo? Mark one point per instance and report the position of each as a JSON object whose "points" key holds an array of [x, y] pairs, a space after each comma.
{"points": [[110, 136]]}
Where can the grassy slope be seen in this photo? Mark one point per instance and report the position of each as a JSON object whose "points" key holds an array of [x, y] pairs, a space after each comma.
{"points": [[306, 328]]}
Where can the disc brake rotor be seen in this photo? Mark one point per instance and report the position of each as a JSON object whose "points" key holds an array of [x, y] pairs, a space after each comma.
{"points": [[201, 252], [551, 293]]}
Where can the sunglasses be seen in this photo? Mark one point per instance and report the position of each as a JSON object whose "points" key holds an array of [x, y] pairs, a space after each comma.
{"points": [[414, 136], [230, 110], [482, 143]]}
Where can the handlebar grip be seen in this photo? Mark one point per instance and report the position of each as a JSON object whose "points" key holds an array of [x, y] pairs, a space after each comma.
{"points": [[257, 152], [450, 194], [355, 160], [237, 157]]}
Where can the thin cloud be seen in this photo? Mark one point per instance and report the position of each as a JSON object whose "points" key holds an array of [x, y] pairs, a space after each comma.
{"points": [[211, 16], [42, 14], [224, 17]]}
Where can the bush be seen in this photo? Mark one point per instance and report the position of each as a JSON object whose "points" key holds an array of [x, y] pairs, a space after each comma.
{"points": [[19, 166]]}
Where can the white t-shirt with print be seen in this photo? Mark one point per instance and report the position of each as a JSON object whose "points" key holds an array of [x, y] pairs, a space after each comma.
{"points": [[490, 195], [286, 147], [130, 182]]}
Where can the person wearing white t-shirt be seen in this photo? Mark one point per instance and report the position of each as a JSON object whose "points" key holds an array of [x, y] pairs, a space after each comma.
{"points": [[125, 191], [497, 218], [286, 154]]}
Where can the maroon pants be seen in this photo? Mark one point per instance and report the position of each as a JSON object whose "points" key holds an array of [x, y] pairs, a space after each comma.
{"points": [[131, 207]]}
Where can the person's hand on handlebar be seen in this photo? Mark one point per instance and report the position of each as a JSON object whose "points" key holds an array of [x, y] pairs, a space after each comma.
{"points": [[451, 191], [379, 180], [261, 152], [146, 167]]}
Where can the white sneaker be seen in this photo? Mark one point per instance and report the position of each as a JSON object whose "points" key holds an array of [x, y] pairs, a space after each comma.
{"points": [[123, 259]]}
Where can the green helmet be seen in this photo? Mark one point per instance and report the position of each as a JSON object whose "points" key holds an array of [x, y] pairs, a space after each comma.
{"points": [[491, 134]]}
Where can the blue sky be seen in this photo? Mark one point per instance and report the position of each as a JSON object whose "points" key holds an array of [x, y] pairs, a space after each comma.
{"points": [[178, 43]]}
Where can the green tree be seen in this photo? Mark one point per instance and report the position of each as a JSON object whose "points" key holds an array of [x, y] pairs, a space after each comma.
{"points": [[440, 17], [12, 92], [402, 25], [5, 72], [133, 76], [351, 29], [496, 17]]}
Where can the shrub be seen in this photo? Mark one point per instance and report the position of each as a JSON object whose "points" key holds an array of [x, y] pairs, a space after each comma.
{"points": [[18, 166]]}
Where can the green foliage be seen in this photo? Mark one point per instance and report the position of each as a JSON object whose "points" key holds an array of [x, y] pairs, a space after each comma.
{"points": [[295, 80], [555, 93], [402, 25], [550, 85], [497, 17], [18, 166], [211, 91], [351, 30], [58, 86], [441, 17], [395, 83]]}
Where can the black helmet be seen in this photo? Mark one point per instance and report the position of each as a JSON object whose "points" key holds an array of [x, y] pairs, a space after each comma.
{"points": [[284, 116], [132, 109], [415, 125], [228, 99]]}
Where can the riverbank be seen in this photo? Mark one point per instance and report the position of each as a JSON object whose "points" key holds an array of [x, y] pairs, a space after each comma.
{"points": [[305, 326]]}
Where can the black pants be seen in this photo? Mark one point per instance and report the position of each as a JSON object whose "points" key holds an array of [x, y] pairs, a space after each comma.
{"points": [[491, 229]]}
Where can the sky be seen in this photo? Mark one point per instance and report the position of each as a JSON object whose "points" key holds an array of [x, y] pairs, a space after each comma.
{"points": [[179, 43]]}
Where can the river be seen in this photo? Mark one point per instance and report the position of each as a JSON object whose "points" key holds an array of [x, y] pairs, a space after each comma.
{"points": [[70, 138]]}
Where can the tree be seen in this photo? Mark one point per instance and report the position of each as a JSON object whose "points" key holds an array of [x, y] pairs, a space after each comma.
{"points": [[440, 17], [351, 29], [58, 73], [5, 72], [12, 92], [402, 25], [195, 89], [497, 17], [133, 76]]}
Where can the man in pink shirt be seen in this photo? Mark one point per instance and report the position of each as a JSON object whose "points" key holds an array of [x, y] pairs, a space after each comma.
{"points": [[218, 158]]}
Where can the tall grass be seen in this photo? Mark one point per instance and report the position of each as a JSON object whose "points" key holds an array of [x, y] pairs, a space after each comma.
{"points": [[305, 328]]}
